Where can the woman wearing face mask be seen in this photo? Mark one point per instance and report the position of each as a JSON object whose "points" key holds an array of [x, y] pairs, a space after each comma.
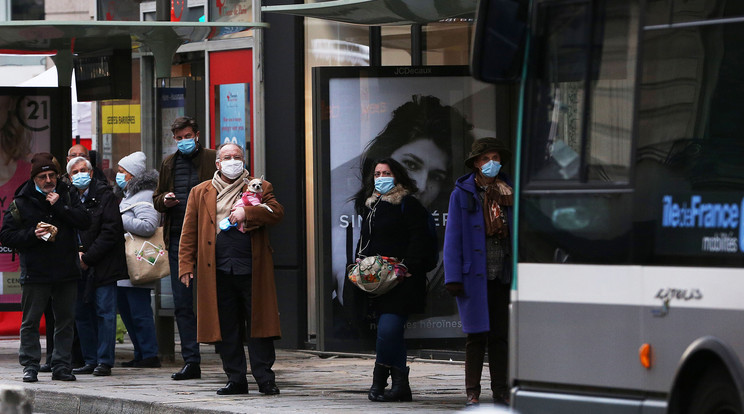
{"points": [[137, 185], [480, 220], [395, 225]]}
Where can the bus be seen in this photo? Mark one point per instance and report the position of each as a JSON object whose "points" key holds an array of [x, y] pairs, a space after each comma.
{"points": [[629, 242]]}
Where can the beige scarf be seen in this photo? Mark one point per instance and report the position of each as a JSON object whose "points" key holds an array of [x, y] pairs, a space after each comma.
{"points": [[227, 195]]}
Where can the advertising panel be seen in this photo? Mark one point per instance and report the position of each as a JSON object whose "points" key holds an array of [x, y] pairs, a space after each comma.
{"points": [[424, 117], [28, 124]]}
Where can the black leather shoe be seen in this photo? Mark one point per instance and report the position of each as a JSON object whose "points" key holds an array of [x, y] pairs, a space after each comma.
{"points": [[86, 369], [268, 388], [129, 364], [152, 362], [63, 375], [45, 368], [189, 371], [102, 370], [30, 375], [233, 388]]}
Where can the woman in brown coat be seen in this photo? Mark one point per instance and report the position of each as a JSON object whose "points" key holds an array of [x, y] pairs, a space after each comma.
{"points": [[235, 271]]}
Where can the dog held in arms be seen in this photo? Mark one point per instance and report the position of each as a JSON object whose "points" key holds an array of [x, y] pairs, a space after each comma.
{"points": [[251, 197]]}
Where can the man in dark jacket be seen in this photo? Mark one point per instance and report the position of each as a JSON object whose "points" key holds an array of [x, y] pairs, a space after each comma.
{"points": [[41, 225], [181, 171], [103, 262]]}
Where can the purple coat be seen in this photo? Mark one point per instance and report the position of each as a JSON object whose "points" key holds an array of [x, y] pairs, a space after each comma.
{"points": [[465, 253]]}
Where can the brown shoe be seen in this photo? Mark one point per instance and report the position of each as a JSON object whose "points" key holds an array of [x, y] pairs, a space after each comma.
{"points": [[472, 400]]}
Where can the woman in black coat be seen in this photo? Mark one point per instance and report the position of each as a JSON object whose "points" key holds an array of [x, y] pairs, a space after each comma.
{"points": [[395, 225]]}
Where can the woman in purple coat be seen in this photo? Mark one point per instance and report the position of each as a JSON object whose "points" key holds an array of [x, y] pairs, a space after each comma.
{"points": [[477, 263]]}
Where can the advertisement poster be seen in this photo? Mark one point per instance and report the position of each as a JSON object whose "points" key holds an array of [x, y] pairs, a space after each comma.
{"points": [[233, 113], [27, 123], [424, 117], [172, 103]]}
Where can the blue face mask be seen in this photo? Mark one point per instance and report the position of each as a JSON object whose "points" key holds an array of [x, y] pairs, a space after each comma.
{"points": [[120, 181], [491, 168], [81, 180], [187, 146], [39, 189], [384, 184]]}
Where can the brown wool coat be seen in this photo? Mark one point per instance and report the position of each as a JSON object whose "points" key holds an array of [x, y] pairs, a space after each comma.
{"points": [[197, 252]]}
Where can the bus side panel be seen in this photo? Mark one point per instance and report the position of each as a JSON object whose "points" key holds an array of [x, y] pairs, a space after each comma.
{"points": [[588, 318]]}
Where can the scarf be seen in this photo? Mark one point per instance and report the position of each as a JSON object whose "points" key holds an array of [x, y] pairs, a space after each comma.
{"points": [[496, 195], [227, 195]]}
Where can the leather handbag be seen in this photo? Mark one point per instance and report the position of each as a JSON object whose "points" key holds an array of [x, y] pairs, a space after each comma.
{"points": [[147, 258], [374, 274]]}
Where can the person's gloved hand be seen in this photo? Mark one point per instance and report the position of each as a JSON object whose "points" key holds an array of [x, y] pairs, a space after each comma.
{"points": [[455, 289]]}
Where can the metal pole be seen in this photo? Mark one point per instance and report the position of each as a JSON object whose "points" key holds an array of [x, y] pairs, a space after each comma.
{"points": [[162, 10], [258, 166], [375, 46], [417, 49]]}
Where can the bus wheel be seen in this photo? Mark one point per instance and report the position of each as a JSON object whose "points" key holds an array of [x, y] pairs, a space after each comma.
{"points": [[715, 394]]}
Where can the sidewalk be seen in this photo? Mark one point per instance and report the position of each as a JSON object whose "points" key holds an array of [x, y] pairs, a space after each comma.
{"points": [[309, 383]]}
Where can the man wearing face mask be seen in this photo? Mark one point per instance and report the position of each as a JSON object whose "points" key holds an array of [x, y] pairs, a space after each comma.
{"points": [[179, 173], [42, 224], [234, 272], [478, 234], [102, 259]]}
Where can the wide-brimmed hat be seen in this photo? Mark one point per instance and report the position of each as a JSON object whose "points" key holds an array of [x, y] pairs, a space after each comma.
{"points": [[488, 144]]}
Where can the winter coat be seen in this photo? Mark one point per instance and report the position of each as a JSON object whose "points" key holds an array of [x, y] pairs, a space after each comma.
{"points": [[395, 225], [103, 242], [197, 255], [203, 160], [45, 261], [141, 220], [465, 252]]}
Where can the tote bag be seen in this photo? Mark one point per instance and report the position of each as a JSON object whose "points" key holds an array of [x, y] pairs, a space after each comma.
{"points": [[147, 258]]}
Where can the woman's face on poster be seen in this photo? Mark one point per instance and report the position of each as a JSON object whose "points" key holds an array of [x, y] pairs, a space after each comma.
{"points": [[427, 166]]}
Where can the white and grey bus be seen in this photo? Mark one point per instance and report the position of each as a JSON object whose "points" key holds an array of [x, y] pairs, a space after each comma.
{"points": [[629, 287]]}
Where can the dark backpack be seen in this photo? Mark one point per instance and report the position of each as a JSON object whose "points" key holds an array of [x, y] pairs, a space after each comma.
{"points": [[431, 260]]}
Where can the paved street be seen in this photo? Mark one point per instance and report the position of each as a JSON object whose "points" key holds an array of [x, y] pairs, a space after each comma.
{"points": [[309, 383]]}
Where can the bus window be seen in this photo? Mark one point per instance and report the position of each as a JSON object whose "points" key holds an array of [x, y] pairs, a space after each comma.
{"points": [[580, 124]]}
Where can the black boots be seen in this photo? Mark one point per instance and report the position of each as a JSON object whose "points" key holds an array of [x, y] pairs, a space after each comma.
{"points": [[400, 389], [379, 382]]}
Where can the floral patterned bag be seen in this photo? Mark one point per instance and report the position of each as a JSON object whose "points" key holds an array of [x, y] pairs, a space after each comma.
{"points": [[374, 274]]}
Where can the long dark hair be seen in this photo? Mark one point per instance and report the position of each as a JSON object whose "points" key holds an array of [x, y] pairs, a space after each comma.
{"points": [[368, 181]]}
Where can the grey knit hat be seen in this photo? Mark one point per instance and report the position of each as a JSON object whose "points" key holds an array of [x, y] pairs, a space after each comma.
{"points": [[134, 163]]}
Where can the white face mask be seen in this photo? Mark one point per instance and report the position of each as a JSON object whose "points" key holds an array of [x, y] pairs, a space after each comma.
{"points": [[231, 168]]}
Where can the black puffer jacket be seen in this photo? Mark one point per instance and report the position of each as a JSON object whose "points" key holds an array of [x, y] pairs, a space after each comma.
{"points": [[45, 261], [103, 242]]}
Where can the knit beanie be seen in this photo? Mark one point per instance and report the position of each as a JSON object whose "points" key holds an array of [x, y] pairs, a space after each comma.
{"points": [[41, 162], [134, 163]]}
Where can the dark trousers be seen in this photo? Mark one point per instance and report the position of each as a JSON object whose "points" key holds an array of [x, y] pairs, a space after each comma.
{"points": [[391, 342], [234, 311], [183, 302], [34, 299], [496, 340]]}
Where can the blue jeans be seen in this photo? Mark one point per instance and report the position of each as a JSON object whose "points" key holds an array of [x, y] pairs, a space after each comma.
{"points": [[96, 325], [183, 302], [391, 344], [136, 313]]}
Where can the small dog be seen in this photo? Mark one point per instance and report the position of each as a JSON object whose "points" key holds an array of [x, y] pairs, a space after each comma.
{"points": [[252, 197]]}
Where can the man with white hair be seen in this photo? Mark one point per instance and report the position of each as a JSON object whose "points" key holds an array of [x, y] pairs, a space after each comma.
{"points": [[235, 271], [102, 260]]}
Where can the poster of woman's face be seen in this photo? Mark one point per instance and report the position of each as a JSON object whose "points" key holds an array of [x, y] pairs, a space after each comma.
{"points": [[426, 119], [25, 128]]}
